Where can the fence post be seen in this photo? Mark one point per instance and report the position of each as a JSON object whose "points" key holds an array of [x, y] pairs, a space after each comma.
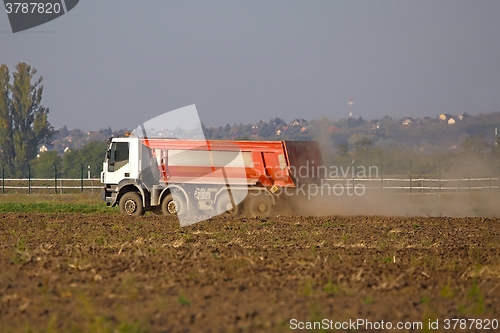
{"points": [[439, 172], [3, 179], [29, 179], [381, 174], [81, 175], [411, 187], [55, 178], [469, 174], [352, 177]]}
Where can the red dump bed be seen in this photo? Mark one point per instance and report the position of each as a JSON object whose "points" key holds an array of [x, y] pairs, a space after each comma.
{"points": [[265, 163]]}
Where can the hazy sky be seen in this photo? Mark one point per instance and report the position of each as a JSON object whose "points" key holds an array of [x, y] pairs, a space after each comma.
{"points": [[119, 63]]}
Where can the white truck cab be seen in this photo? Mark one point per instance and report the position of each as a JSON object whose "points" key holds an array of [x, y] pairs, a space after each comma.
{"points": [[127, 168]]}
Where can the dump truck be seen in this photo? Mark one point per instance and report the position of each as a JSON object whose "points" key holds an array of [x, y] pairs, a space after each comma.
{"points": [[169, 176]]}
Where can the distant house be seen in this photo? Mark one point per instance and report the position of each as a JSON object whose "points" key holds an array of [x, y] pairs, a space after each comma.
{"points": [[67, 150], [449, 119], [442, 117], [298, 122], [407, 121], [278, 132], [45, 147], [303, 130]]}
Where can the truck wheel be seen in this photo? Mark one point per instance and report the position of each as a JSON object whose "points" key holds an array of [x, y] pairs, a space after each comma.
{"points": [[131, 204], [173, 204], [224, 207], [261, 205]]}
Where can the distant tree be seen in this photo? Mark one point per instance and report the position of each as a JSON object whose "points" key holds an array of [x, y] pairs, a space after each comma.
{"points": [[474, 144], [6, 131], [106, 132], [276, 122], [73, 164], [43, 166], [208, 131], [343, 149], [23, 119], [359, 140], [91, 155], [266, 131], [62, 132]]}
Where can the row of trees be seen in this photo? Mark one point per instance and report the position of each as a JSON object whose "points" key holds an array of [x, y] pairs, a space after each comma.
{"points": [[71, 164], [24, 126], [424, 134], [23, 118], [474, 156]]}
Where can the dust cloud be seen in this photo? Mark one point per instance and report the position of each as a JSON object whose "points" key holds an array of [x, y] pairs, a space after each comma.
{"points": [[392, 203], [469, 181]]}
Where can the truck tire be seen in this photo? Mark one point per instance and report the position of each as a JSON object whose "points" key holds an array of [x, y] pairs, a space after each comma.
{"points": [[173, 204], [131, 204], [224, 207], [261, 206]]}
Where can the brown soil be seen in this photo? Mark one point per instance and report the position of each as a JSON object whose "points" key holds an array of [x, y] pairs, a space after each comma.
{"points": [[94, 273]]}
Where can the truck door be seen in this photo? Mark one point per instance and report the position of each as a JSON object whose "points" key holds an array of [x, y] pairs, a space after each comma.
{"points": [[118, 162]]}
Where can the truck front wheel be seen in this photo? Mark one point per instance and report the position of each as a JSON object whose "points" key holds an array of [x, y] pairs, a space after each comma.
{"points": [[131, 204]]}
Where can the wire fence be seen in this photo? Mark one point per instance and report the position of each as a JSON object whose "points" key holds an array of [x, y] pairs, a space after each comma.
{"points": [[423, 185], [48, 185], [417, 185]]}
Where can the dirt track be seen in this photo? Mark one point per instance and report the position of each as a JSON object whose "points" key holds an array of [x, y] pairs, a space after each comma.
{"points": [[97, 273]]}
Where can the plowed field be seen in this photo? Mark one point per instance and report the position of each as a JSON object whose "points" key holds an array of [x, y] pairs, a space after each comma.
{"points": [[97, 273]]}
